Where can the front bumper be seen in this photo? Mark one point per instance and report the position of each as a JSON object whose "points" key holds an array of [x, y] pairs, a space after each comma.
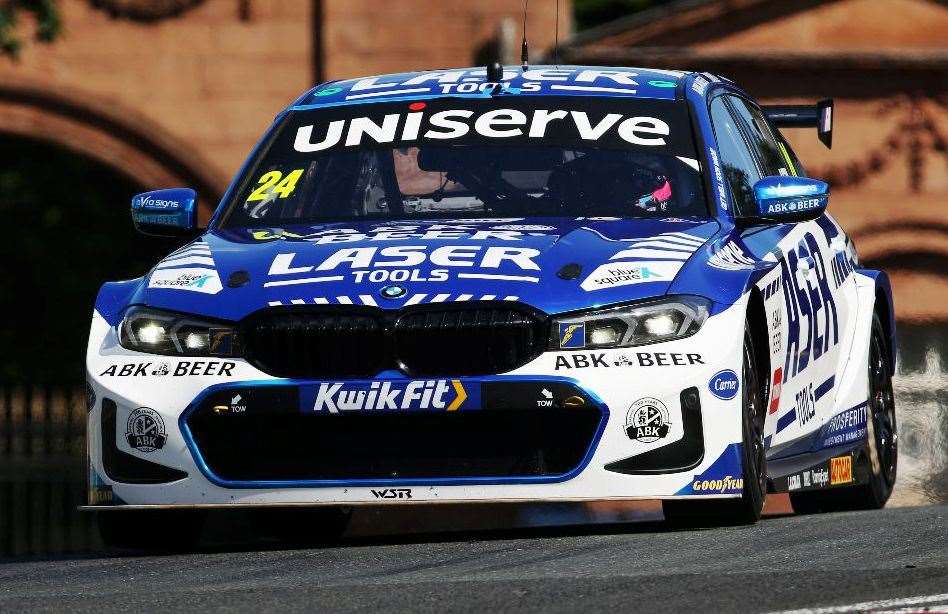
{"points": [[574, 425]]}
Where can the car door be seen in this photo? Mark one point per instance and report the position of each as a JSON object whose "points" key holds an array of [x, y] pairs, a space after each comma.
{"points": [[809, 314]]}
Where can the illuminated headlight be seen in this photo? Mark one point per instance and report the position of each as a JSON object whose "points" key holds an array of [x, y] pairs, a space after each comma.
{"points": [[628, 325], [163, 332]]}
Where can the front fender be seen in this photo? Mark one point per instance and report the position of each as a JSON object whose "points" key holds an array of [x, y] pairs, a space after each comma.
{"points": [[114, 297], [724, 270]]}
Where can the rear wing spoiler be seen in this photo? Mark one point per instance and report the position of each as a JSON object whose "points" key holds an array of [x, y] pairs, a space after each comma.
{"points": [[819, 116]]}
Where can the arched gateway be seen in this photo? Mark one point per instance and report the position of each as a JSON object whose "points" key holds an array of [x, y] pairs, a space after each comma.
{"points": [[109, 132]]}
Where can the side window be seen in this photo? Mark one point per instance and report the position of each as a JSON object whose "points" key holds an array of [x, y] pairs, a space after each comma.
{"points": [[762, 140], [739, 167], [796, 167]]}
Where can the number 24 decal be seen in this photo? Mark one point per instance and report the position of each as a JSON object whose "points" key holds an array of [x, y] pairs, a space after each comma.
{"points": [[274, 182]]}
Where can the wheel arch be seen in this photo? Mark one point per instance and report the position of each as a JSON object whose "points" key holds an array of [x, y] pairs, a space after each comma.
{"points": [[757, 320], [883, 306]]}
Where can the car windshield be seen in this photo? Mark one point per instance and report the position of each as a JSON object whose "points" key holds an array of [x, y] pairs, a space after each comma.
{"points": [[496, 156]]}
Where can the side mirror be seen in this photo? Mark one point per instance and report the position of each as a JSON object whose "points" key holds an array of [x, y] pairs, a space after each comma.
{"points": [[790, 199], [165, 213]]}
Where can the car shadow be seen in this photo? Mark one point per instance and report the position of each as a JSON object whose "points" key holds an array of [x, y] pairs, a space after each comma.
{"points": [[232, 531]]}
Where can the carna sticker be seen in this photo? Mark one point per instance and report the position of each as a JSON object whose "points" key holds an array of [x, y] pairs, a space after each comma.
{"points": [[724, 384]]}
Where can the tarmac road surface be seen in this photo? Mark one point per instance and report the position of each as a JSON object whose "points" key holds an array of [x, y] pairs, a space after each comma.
{"points": [[891, 560]]}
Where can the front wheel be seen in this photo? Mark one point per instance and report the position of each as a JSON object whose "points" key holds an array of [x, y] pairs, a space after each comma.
{"points": [[747, 509]]}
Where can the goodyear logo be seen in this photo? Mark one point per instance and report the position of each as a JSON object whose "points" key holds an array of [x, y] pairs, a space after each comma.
{"points": [[724, 485], [572, 335], [432, 395]]}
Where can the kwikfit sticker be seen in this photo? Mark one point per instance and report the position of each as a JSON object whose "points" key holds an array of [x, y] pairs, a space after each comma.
{"points": [[389, 396]]}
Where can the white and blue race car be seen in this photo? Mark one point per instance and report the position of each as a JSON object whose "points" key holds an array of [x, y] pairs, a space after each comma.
{"points": [[553, 284]]}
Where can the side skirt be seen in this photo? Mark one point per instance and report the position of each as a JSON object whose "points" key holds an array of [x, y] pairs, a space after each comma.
{"points": [[828, 468]]}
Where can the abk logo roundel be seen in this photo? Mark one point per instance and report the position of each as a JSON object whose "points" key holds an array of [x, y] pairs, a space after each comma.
{"points": [[145, 430], [724, 384], [647, 420]]}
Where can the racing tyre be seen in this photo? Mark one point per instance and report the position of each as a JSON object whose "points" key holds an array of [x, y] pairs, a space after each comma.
{"points": [[745, 510], [882, 442], [305, 526], [152, 530]]}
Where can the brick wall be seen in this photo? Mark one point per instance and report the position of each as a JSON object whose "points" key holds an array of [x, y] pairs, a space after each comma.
{"points": [[214, 80], [364, 38], [206, 77]]}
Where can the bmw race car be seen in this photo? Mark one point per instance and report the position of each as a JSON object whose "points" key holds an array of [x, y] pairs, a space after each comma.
{"points": [[559, 284]]}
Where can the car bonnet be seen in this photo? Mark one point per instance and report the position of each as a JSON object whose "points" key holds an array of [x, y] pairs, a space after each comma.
{"points": [[552, 264]]}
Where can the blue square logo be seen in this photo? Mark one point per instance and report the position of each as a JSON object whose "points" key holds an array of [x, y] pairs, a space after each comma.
{"points": [[572, 335]]}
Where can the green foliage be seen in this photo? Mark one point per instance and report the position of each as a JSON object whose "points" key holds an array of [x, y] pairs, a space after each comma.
{"points": [[48, 23], [589, 13]]}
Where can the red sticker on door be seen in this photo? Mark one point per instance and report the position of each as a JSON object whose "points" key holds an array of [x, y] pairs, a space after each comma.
{"points": [[775, 386]]}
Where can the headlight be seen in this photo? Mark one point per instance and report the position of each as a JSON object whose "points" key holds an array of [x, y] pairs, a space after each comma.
{"points": [[163, 332], [628, 325]]}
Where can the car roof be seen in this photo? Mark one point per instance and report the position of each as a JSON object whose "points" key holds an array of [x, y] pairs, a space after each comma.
{"points": [[543, 80]]}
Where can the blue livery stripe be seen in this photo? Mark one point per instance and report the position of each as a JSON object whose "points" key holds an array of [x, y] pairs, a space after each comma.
{"points": [[786, 419], [828, 227], [771, 288], [823, 388]]}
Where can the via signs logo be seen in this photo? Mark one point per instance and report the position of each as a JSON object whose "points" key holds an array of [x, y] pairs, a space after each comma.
{"points": [[724, 384], [150, 202]]}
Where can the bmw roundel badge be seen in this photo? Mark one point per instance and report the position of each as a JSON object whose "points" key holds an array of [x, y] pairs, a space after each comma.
{"points": [[393, 292]]}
